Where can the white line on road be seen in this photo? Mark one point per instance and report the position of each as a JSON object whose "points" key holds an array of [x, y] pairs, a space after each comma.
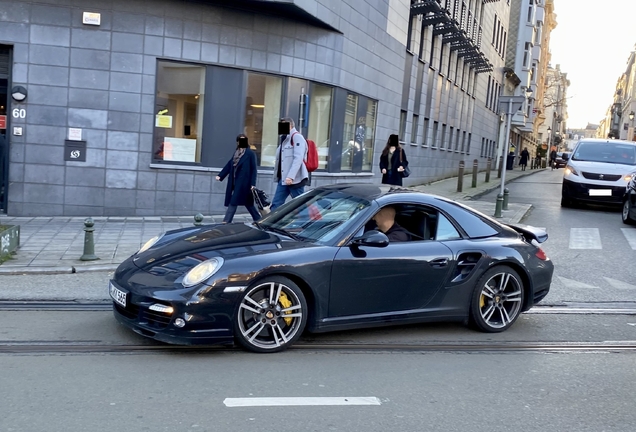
{"points": [[585, 238], [300, 401], [630, 235]]}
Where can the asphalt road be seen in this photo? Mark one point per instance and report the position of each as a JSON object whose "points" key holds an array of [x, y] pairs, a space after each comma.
{"points": [[593, 251]]}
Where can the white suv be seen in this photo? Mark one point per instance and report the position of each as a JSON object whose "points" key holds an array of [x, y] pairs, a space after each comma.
{"points": [[598, 172]]}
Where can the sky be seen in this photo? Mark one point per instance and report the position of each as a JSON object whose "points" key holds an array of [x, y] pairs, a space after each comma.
{"points": [[592, 43]]}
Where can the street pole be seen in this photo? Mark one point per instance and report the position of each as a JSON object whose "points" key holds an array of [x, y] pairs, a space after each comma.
{"points": [[514, 104]]}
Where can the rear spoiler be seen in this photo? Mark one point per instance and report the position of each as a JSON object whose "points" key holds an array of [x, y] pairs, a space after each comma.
{"points": [[529, 232]]}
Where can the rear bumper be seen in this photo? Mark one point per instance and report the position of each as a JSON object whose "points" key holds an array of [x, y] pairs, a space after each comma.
{"points": [[581, 192]]}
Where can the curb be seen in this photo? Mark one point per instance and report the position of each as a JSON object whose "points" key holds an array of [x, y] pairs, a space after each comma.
{"points": [[12, 271]]}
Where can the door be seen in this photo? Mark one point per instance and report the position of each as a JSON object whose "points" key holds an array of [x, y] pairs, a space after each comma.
{"points": [[5, 61], [398, 277]]}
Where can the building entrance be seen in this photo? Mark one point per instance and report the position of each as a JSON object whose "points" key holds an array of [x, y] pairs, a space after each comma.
{"points": [[5, 62]]}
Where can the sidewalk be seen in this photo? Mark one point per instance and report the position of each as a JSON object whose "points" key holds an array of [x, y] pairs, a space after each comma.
{"points": [[53, 245]]}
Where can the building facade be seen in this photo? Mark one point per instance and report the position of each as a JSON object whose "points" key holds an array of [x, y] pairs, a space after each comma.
{"points": [[132, 107], [619, 119]]}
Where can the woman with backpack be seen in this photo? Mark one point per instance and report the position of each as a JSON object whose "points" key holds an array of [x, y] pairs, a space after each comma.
{"points": [[393, 162], [241, 172]]}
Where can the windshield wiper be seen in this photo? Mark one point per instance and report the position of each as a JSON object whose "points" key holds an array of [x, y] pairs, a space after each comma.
{"points": [[283, 232]]}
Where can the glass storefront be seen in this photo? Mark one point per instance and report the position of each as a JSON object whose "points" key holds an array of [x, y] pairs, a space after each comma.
{"points": [[349, 145], [319, 126], [262, 113], [179, 112]]}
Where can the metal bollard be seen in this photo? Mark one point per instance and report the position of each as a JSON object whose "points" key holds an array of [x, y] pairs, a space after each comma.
{"points": [[498, 205], [488, 168], [500, 166], [460, 176], [475, 170], [89, 242], [506, 195], [198, 219]]}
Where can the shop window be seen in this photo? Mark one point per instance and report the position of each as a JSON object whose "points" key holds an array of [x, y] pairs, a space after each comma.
{"points": [[179, 112], [369, 137], [320, 101], [348, 138], [262, 113]]}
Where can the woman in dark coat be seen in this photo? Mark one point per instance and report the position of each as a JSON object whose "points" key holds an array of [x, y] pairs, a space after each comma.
{"points": [[525, 155], [241, 169], [392, 162]]}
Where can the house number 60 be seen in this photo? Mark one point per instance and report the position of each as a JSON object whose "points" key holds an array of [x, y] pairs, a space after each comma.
{"points": [[19, 113]]}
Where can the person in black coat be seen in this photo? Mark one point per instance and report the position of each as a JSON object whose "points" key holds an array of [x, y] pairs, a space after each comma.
{"points": [[392, 162], [241, 169], [525, 155]]}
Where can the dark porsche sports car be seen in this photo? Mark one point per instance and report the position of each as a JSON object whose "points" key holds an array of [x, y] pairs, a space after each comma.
{"points": [[319, 263]]}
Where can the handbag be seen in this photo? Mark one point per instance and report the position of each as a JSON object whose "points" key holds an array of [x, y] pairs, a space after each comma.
{"points": [[261, 200], [407, 170]]}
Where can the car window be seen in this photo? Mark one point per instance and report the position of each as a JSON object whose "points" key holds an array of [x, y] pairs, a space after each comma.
{"points": [[317, 216], [607, 152], [445, 229], [474, 223]]}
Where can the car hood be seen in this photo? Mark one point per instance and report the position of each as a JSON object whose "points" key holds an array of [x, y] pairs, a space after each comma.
{"points": [[603, 167], [179, 251]]}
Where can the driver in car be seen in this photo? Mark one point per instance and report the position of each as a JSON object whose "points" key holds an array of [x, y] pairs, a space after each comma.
{"points": [[385, 219]]}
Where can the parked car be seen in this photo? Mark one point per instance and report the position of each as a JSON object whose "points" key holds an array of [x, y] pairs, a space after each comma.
{"points": [[562, 159], [598, 171], [318, 263], [629, 202]]}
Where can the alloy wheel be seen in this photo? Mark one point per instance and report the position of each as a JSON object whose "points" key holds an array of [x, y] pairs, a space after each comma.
{"points": [[627, 209], [271, 316], [498, 300]]}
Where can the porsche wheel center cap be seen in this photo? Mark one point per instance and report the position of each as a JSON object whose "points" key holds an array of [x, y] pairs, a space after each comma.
{"points": [[497, 299], [269, 315]]}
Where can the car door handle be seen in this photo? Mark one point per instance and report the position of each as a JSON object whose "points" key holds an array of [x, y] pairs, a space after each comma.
{"points": [[439, 262]]}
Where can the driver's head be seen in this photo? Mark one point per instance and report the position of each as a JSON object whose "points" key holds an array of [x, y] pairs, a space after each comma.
{"points": [[385, 217]]}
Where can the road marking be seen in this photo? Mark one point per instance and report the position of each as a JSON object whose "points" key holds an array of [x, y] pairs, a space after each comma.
{"points": [[300, 401], [571, 283], [630, 235], [619, 284], [566, 310], [585, 238]]}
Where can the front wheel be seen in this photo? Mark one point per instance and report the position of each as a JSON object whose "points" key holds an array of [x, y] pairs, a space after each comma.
{"points": [[497, 300], [626, 214], [271, 316]]}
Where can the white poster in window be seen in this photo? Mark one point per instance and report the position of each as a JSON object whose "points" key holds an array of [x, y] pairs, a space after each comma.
{"points": [[179, 149]]}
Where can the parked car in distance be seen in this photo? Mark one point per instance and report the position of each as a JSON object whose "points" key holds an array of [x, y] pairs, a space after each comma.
{"points": [[562, 159], [598, 171], [629, 202]]}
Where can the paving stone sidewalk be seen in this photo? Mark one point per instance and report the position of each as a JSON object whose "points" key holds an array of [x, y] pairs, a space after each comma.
{"points": [[55, 244]]}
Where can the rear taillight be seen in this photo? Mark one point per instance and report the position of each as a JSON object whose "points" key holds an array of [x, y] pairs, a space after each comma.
{"points": [[541, 254]]}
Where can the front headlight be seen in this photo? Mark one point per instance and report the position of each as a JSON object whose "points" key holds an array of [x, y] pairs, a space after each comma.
{"points": [[569, 169], [202, 271], [150, 243], [628, 177]]}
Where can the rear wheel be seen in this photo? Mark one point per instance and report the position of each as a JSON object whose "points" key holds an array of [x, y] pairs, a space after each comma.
{"points": [[271, 316], [497, 300], [626, 214]]}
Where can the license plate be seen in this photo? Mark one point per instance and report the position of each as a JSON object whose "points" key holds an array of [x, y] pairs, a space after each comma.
{"points": [[119, 296], [600, 192]]}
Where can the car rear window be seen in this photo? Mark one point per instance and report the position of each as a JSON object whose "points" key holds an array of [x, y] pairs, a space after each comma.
{"points": [[474, 223]]}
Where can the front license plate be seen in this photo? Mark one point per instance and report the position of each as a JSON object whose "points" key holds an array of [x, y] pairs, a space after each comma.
{"points": [[119, 296], [600, 192]]}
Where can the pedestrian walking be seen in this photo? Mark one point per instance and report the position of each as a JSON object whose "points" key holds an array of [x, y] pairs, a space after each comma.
{"points": [[393, 162], [525, 155], [241, 172], [290, 172], [553, 156]]}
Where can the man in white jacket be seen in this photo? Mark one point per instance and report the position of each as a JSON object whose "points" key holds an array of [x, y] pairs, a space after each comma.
{"points": [[290, 172]]}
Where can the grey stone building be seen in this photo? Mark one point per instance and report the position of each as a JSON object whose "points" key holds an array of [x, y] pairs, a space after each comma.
{"points": [[131, 107]]}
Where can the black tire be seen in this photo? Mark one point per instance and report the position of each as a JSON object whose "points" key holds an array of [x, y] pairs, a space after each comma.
{"points": [[565, 202], [494, 309], [271, 315], [626, 210]]}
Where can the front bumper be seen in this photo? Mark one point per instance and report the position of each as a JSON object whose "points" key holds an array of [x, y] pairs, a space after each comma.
{"points": [[207, 322], [581, 192]]}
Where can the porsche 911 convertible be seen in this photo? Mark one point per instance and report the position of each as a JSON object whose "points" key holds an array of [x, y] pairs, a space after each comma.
{"points": [[321, 263]]}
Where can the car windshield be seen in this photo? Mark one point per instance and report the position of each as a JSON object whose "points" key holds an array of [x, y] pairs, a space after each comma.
{"points": [[606, 152], [316, 216]]}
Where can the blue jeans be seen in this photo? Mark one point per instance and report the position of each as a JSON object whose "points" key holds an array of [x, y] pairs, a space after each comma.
{"points": [[231, 211], [283, 191]]}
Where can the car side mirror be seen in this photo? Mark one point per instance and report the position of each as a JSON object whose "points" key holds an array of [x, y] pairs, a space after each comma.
{"points": [[565, 156], [373, 238]]}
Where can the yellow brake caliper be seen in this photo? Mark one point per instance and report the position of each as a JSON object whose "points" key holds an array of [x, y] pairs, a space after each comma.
{"points": [[482, 301], [285, 303]]}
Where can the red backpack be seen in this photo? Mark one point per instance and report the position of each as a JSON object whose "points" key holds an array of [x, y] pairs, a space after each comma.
{"points": [[311, 163]]}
